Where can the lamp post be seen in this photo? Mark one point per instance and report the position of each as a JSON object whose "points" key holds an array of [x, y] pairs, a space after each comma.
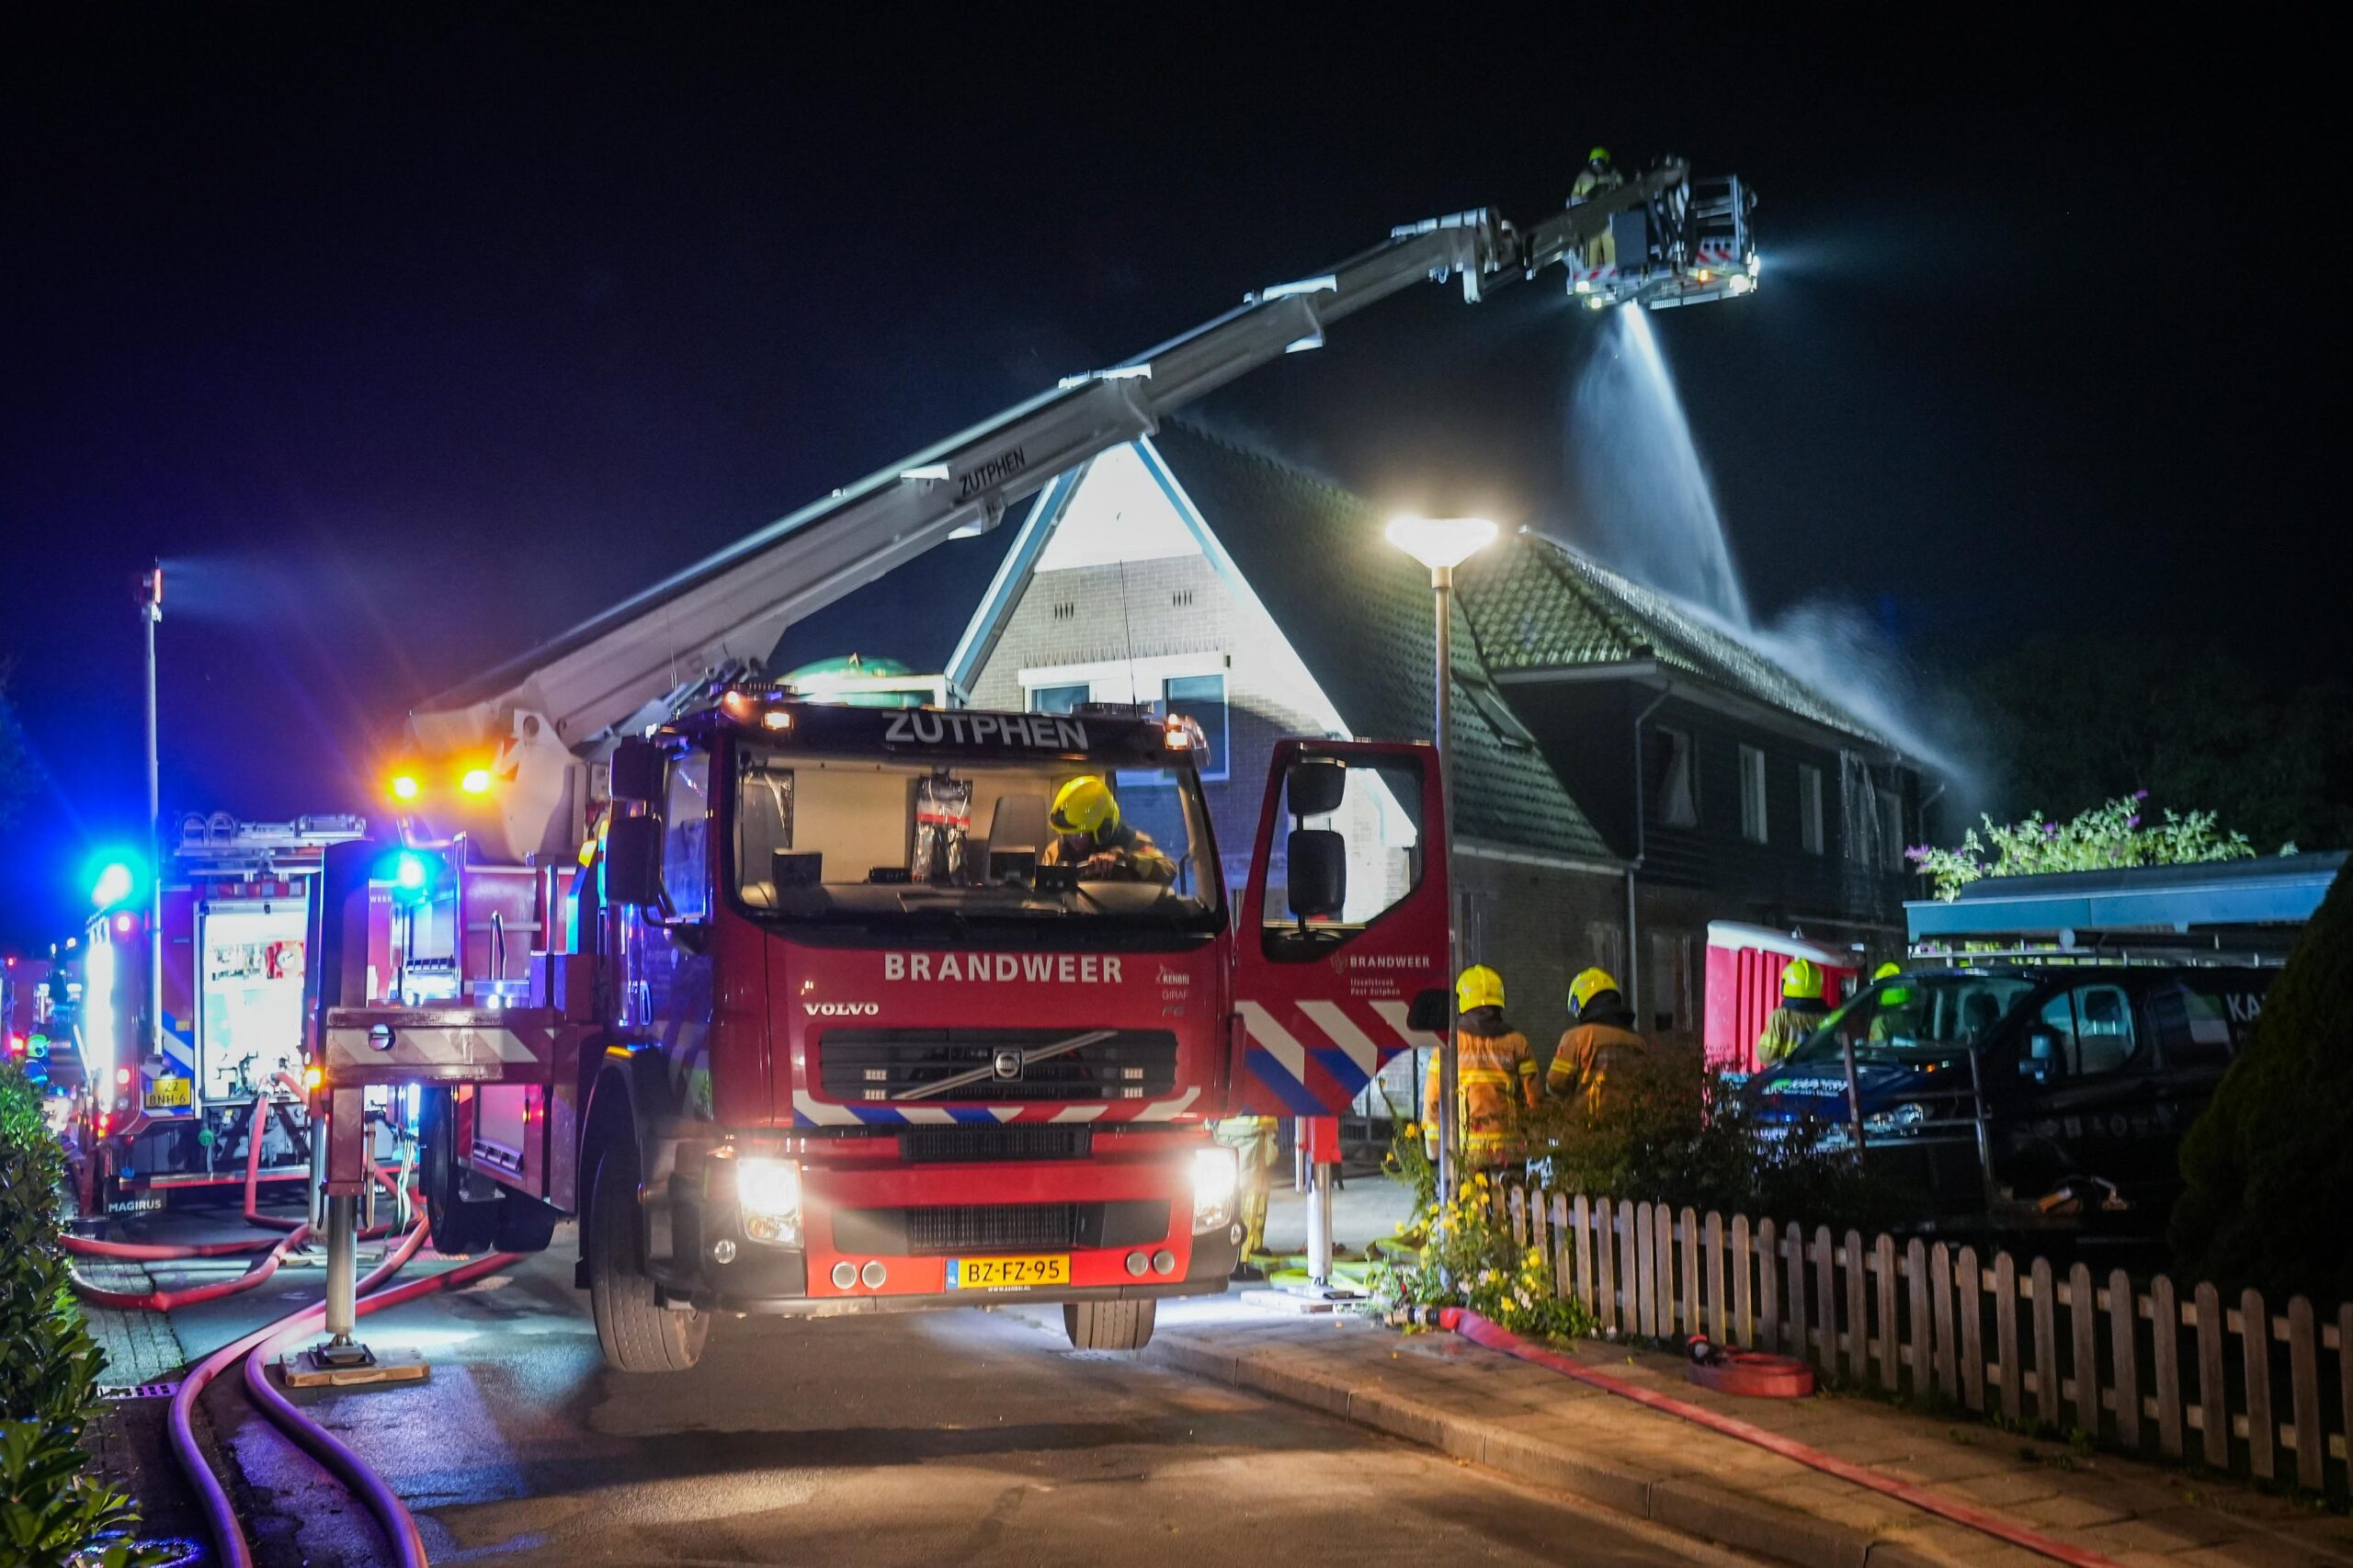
{"points": [[1442, 544], [151, 611]]}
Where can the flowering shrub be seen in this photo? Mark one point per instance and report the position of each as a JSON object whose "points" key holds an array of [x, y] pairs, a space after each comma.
{"points": [[1469, 1259], [2109, 836]]}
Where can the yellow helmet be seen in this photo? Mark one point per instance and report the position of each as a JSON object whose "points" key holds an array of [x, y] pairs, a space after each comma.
{"points": [[1084, 805], [1479, 987], [1802, 978], [1586, 986], [1598, 156], [1887, 969]]}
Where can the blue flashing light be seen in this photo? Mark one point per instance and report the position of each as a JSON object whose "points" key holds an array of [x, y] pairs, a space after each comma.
{"points": [[412, 873], [115, 882]]}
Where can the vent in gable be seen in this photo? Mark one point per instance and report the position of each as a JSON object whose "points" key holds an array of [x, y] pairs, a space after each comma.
{"points": [[1066, 610]]}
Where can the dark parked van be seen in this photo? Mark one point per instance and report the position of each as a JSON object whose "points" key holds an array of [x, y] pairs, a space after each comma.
{"points": [[2023, 1093]]}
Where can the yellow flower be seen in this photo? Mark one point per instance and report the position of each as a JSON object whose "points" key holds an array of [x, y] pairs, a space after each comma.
{"points": [[1413, 1129]]}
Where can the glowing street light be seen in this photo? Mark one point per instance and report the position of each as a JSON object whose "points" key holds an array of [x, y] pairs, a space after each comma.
{"points": [[1442, 544]]}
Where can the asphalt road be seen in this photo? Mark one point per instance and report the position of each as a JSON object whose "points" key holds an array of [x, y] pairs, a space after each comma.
{"points": [[952, 1437]]}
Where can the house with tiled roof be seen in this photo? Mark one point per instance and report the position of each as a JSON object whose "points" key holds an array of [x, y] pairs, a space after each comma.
{"points": [[1187, 572], [1730, 788]]}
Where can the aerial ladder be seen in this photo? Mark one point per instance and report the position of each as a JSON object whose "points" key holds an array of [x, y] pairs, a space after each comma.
{"points": [[543, 718], [536, 753]]}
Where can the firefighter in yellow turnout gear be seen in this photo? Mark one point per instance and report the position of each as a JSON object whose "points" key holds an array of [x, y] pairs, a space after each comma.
{"points": [[1598, 177], [1495, 1074], [1601, 1038], [1089, 834], [1256, 1148], [1800, 1014]]}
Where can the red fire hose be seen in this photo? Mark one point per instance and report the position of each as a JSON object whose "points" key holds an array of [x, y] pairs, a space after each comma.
{"points": [[1481, 1331], [399, 1526]]}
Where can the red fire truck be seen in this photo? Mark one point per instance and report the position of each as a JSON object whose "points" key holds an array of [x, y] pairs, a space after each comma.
{"points": [[170, 1111], [802, 1008]]}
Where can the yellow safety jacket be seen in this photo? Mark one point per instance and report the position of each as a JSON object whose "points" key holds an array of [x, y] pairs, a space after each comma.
{"points": [[1494, 1076], [1785, 1029], [1583, 1061]]}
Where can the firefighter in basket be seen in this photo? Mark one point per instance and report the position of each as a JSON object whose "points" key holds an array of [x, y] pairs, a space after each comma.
{"points": [[1089, 834]]}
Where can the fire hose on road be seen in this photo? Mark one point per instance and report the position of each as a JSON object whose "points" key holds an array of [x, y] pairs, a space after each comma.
{"points": [[258, 1348], [1482, 1331]]}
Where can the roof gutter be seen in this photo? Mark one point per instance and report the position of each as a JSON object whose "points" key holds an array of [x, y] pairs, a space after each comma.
{"points": [[1708, 694]]}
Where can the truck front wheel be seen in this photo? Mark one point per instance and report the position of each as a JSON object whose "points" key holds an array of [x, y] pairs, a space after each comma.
{"points": [[461, 1226], [636, 1332], [1110, 1325]]}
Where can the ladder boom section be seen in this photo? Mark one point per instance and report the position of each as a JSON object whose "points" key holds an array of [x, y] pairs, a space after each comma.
{"points": [[601, 676]]}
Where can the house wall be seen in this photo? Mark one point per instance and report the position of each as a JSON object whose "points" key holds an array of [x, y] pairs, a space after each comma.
{"points": [[1585, 728]]}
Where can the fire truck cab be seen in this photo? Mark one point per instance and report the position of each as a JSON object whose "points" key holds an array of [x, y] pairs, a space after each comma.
{"points": [[846, 1025]]}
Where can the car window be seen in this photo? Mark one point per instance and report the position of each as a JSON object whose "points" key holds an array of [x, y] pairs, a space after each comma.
{"points": [[2092, 1030], [2203, 1019]]}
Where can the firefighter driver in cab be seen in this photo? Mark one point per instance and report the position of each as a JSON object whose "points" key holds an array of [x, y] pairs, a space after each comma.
{"points": [[1089, 834], [1495, 1075]]}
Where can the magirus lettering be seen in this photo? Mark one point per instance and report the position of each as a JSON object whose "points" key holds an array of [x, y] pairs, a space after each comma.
{"points": [[998, 969]]}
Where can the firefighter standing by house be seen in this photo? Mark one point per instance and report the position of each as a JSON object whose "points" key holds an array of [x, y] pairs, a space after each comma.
{"points": [[1601, 1039], [1495, 1074], [1257, 1144], [1800, 1014]]}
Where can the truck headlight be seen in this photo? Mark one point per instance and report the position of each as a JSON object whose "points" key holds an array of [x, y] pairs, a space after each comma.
{"points": [[767, 1193], [1214, 1179]]}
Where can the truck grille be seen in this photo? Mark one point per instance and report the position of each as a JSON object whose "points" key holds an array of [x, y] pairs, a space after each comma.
{"points": [[939, 1230], [879, 1066], [925, 1146]]}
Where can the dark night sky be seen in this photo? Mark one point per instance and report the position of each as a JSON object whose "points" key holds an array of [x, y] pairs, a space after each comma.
{"points": [[407, 342]]}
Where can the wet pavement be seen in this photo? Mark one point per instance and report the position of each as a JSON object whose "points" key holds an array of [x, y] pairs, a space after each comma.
{"points": [[963, 1437]]}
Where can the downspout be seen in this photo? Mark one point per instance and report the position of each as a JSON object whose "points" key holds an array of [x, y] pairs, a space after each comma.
{"points": [[1642, 847]]}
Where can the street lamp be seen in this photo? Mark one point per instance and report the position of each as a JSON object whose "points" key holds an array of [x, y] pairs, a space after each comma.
{"points": [[150, 595], [1442, 544]]}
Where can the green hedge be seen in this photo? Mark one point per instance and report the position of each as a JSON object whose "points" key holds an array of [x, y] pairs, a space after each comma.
{"points": [[2268, 1165], [51, 1510]]}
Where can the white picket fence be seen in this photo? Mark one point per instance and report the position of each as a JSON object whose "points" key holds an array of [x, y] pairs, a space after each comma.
{"points": [[2145, 1371]]}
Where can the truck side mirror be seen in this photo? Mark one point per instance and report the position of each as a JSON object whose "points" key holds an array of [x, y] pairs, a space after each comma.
{"points": [[1427, 1014], [1317, 884], [636, 771], [633, 861], [1316, 787]]}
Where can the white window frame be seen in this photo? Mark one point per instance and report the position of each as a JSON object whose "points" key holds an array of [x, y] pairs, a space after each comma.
{"points": [[1142, 680], [1754, 824], [1810, 824]]}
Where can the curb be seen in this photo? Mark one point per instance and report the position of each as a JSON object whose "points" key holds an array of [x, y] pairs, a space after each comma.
{"points": [[1690, 1507]]}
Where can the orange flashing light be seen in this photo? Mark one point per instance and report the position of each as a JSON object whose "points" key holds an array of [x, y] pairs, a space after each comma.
{"points": [[404, 787], [312, 1077], [475, 781]]}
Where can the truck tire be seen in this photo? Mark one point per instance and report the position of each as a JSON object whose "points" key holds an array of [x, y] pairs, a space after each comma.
{"points": [[1110, 1325], [636, 1332], [461, 1226], [525, 1225]]}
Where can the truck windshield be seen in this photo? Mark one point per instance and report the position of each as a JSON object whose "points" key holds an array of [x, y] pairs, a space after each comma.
{"points": [[1918, 1015], [820, 837]]}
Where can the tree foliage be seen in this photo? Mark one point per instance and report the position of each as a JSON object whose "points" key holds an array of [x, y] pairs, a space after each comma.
{"points": [[2109, 836], [2074, 720], [2268, 1167]]}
